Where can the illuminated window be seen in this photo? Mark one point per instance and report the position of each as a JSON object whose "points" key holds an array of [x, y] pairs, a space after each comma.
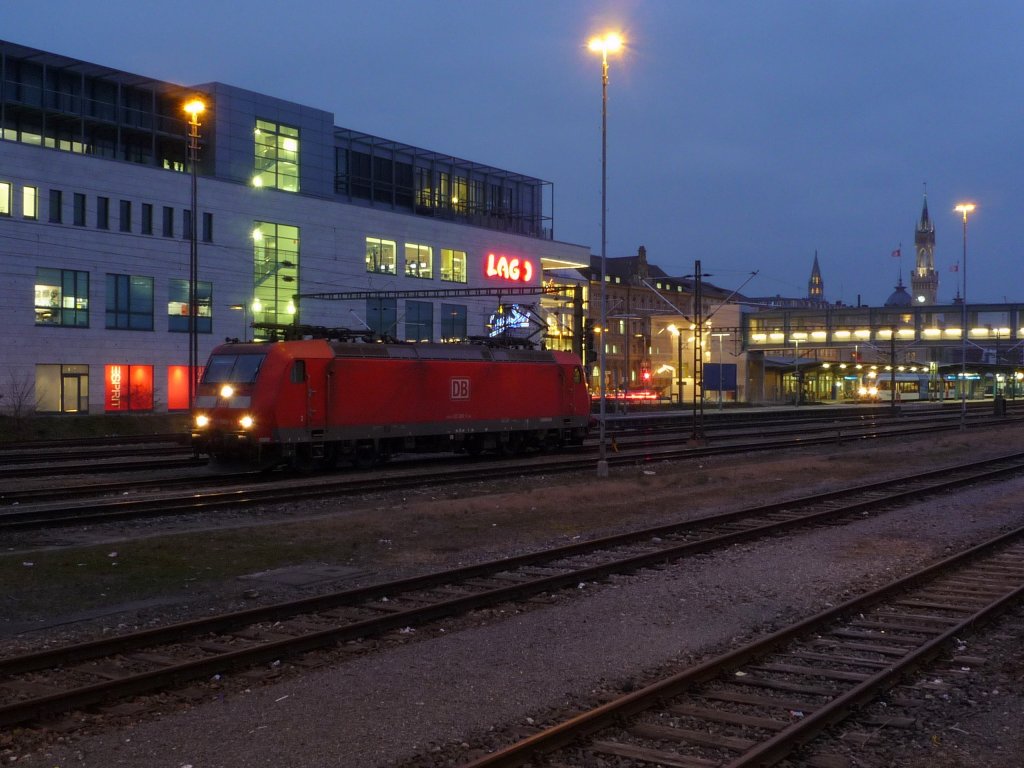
{"points": [[277, 156], [129, 302], [276, 273], [5, 198], [62, 297], [62, 388], [453, 322], [30, 203], [453, 266], [128, 388], [419, 321], [381, 256], [177, 306], [419, 261]]}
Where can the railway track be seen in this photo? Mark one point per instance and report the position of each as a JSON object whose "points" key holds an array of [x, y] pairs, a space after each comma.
{"points": [[96, 504], [40, 685], [759, 704]]}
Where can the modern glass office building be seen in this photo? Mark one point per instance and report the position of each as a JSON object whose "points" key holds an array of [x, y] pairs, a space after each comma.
{"points": [[297, 221]]}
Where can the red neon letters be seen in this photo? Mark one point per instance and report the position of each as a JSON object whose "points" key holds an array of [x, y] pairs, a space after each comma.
{"points": [[514, 269]]}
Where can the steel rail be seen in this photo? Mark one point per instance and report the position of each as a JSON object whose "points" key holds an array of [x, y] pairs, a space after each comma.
{"points": [[615, 713], [661, 544]]}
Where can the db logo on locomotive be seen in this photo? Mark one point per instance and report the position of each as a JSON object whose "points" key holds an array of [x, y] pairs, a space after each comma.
{"points": [[460, 389]]}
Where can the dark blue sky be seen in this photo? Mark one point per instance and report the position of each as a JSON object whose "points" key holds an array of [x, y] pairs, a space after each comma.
{"points": [[747, 134]]}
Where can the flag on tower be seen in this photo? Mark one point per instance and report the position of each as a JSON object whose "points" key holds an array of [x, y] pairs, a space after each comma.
{"points": [[955, 267], [896, 254]]}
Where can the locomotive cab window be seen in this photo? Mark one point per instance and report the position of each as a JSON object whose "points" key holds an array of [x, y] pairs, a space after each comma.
{"points": [[298, 371], [234, 369]]}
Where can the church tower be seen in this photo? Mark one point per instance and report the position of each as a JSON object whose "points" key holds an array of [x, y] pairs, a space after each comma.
{"points": [[924, 282], [815, 287]]}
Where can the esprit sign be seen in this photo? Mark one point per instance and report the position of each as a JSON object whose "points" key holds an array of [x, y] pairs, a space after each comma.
{"points": [[512, 268]]}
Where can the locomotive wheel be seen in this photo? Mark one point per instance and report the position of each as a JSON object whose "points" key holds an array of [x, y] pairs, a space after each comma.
{"points": [[364, 456]]}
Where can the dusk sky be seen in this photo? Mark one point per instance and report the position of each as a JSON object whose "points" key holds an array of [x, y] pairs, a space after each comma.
{"points": [[745, 134]]}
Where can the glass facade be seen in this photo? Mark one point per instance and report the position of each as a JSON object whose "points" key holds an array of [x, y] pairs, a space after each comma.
{"points": [[275, 272], [177, 306], [453, 322], [129, 302], [62, 388], [277, 156], [381, 256], [453, 265], [62, 297], [382, 317], [419, 321], [419, 261]]}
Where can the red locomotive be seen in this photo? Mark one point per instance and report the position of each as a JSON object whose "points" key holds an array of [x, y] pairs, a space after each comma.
{"points": [[314, 403]]}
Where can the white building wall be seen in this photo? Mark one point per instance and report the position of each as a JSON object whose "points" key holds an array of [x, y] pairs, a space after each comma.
{"points": [[331, 257]]}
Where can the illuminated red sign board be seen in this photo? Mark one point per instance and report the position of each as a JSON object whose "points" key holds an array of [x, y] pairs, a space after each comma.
{"points": [[128, 388], [511, 268]]}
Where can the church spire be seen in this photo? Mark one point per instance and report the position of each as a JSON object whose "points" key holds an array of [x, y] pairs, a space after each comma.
{"points": [[924, 280], [815, 286]]}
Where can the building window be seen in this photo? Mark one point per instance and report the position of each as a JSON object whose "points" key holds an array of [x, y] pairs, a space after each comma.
{"points": [[419, 261], [62, 388], [125, 217], [275, 273], [207, 227], [30, 203], [381, 256], [62, 297], [127, 388], [168, 221], [129, 302], [277, 156], [5, 198], [56, 206], [419, 321], [453, 265], [102, 213], [186, 224], [382, 317], [146, 225], [79, 209], [453, 322], [177, 306]]}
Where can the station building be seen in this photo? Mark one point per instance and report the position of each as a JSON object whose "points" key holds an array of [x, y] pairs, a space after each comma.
{"points": [[297, 222]]}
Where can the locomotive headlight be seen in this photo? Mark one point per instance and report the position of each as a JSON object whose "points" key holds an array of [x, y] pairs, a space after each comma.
{"points": [[202, 420], [246, 422], [227, 391]]}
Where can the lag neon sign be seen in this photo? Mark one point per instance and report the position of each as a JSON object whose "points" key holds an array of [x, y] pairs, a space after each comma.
{"points": [[514, 269]]}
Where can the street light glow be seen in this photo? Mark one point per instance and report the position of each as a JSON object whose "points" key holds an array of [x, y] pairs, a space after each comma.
{"points": [[610, 42], [965, 208], [195, 107]]}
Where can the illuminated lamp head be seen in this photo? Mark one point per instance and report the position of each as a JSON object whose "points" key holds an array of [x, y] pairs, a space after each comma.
{"points": [[202, 420], [227, 391], [246, 422]]}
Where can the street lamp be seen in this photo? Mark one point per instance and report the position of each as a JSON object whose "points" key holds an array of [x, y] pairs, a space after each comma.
{"points": [[194, 108], [608, 43], [964, 209]]}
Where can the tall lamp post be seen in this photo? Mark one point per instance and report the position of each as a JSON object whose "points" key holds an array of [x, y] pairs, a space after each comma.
{"points": [[608, 43], [964, 209], [194, 108]]}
